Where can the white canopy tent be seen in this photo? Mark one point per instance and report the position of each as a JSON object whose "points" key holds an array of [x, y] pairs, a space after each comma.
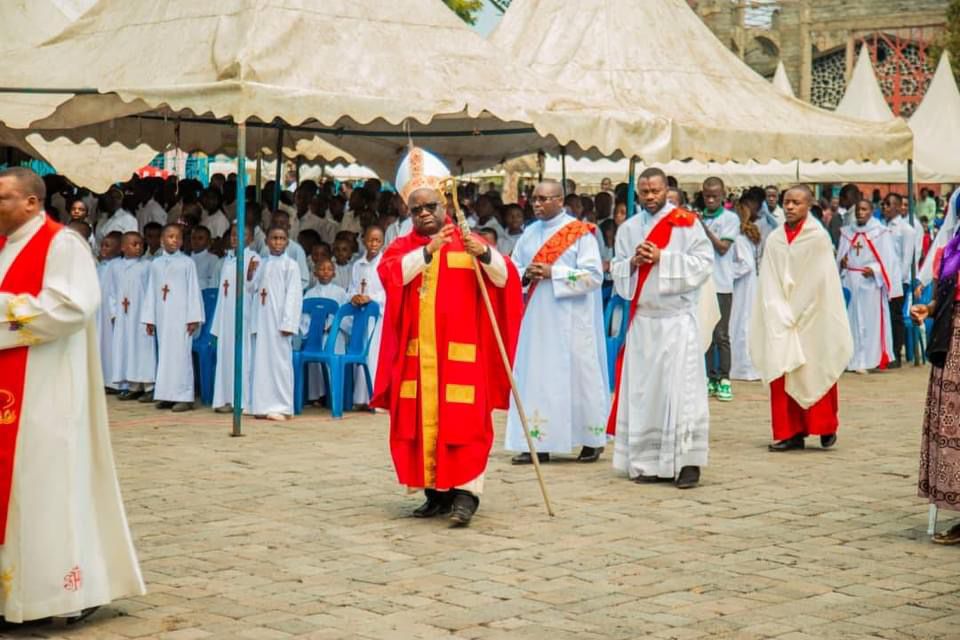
{"points": [[781, 82]]}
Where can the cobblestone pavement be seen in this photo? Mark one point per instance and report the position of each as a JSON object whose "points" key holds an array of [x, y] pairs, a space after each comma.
{"points": [[299, 530]]}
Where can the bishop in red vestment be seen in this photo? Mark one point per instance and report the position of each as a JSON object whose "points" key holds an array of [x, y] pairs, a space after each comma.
{"points": [[440, 374]]}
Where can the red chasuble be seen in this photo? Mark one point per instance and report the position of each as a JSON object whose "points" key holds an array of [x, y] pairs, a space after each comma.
{"points": [[440, 373], [660, 236], [25, 277], [789, 419], [557, 244]]}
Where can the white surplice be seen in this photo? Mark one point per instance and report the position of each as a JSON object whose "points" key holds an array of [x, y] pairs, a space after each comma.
{"points": [[277, 303], [216, 223], [223, 327], [869, 308], [296, 253], [366, 281], [173, 301], [208, 269], [746, 258], [663, 418], [121, 220], [104, 327], [68, 546], [151, 211], [561, 362], [315, 385], [344, 274], [134, 353]]}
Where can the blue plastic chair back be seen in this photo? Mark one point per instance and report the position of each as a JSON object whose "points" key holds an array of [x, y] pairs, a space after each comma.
{"points": [[209, 308], [358, 344], [846, 296], [615, 336], [319, 310]]}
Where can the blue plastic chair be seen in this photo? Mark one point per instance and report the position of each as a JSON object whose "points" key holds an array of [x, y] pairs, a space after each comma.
{"points": [[313, 349], [615, 336], [205, 346], [341, 365]]}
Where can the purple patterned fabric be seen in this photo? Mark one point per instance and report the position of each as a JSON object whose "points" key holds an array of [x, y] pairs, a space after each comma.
{"points": [[950, 263]]}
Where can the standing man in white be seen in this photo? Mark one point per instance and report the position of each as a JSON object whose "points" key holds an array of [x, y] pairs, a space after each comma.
{"points": [[65, 547], [560, 366], [660, 415]]}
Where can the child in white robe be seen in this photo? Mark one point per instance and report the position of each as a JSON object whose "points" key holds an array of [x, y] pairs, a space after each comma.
{"points": [[223, 325], [324, 272], [134, 352], [275, 317], [208, 264], [343, 262], [365, 287], [173, 311], [109, 251]]}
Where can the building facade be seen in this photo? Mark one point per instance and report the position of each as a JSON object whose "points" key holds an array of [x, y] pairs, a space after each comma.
{"points": [[818, 41]]}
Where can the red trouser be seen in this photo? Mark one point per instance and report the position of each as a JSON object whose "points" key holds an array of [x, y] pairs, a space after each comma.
{"points": [[789, 418]]}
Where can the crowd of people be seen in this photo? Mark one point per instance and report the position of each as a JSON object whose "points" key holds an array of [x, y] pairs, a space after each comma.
{"points": [[162, 243]]}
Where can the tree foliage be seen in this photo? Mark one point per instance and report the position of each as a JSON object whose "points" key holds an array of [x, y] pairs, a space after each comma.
{"points": [[466, 9], [949, 40]]}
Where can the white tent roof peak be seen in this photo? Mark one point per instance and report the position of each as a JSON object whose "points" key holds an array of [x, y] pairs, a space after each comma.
{"points": [[936, 125], [781, 82], [863, 98]]}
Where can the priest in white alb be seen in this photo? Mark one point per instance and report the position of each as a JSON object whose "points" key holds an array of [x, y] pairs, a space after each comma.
{"points": [[799, 334], [561, 361], [660, 414], [65, 547], [869, 271]]}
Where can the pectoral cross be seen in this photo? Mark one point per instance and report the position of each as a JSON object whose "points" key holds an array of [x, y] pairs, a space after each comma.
{"points": [[226, 287], [363, 286], [165, 291], [126, 306], [857, 247], [263, 297]]}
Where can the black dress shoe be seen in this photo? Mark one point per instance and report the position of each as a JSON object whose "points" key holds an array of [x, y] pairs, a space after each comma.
{"points": [[896, 364], [642, 479], [524, 458], [86, 613], [110, 391], [828, 441], [164, 404], [146, 397], [796, 442], [129, 395], [463, 507], [589, 454], [689, 478], [438, 503]]}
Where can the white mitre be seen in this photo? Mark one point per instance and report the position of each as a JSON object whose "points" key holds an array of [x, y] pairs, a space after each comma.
{"points": [[420, 169]]}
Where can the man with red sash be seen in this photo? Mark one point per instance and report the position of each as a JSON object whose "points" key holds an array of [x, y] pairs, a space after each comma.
{"points": [[65, 548], [660, 415], [866, 258], [561, 364], [799, 333], [440, 374]]}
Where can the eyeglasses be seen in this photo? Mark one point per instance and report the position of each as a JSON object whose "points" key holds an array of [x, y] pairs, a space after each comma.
{"points": [[430, 206], [543, 198]]}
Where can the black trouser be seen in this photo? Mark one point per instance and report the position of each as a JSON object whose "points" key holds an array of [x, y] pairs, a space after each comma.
{"points": [[897, 326], [721, 341]]}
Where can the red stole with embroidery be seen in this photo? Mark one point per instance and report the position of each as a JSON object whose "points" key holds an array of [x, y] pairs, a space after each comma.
{"points": [[25, 277], [556, 245], [660, 236]]}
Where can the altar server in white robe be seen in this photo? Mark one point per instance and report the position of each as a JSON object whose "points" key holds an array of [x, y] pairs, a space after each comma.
{"points": [[109, 256], [660, 414], [134, 353], [223, 325], [173, 311], [275, 317], [208, 264], [746, 264], [561, 364], [325, 288], [65, 547], [294, 250], [365, 287], [867, 258]]}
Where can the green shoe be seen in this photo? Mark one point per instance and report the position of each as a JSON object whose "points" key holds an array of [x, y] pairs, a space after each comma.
{"points": [[724, 392], [711, 388]]}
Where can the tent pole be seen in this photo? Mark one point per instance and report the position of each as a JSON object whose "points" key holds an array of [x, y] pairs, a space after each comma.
{"points": [[563, 169], [631, 188], [278, 183], [913, 264], [240, 280], [259, 174]]}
